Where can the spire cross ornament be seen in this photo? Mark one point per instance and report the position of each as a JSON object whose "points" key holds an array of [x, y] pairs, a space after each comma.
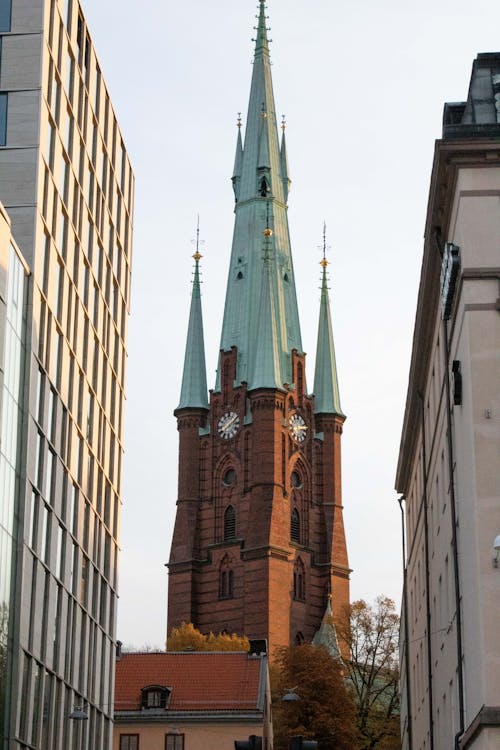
{"points": [[238, 123], [197, 255], [283, 123], [324, 262]]}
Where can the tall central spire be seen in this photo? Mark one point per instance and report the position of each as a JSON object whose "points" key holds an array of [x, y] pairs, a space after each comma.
{"points": [[259, 184]]}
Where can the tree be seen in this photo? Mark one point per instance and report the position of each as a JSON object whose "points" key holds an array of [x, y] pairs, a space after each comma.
{"points": [[325, 711], [373, 671], [187, 638]]}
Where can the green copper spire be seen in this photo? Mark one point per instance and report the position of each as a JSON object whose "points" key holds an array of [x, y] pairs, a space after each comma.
{"points": [[285, 177], [194, 378], [238, 162], [266, 370], [327, 633], [259, 184], [326, 387]]}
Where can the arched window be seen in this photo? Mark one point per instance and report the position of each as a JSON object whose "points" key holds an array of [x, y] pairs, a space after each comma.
{"points": [[229, 523], [295, 526], [299, 580], [299, 639], [226, 579]]}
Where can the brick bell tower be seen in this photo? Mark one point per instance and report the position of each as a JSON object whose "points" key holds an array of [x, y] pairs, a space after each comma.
{"points": [[259, 545]]}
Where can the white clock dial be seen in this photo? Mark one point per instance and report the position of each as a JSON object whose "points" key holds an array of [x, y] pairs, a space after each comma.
{"points": [[228, 425], [298, 428]]}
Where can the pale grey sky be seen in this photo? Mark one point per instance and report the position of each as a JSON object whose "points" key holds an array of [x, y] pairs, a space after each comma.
{"points": [[362, 85]]}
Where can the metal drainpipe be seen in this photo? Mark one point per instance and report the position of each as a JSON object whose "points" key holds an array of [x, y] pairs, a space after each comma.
{"points": [[453, 508], [427, 576], [407, 635]]}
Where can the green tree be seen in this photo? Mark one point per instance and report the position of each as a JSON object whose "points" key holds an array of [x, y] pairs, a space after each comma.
{"points": [[372, 633], [187, 638], [325, 711]]}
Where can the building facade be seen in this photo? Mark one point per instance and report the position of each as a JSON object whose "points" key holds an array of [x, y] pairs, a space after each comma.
{"points": [[67, 186], [259, 542], [191, 701], [448, 461], [14, 297]]}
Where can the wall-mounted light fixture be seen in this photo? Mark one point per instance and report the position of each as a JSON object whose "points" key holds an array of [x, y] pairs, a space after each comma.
{"points": [[496, 547], [79, 714]]}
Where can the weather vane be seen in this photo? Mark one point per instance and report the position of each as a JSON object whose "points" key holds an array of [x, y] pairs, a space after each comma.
{"points": [[324, 262], [197, 256]]}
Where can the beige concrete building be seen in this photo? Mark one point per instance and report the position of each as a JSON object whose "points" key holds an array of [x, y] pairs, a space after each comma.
{"points": [[449, 469], [191, 700], [67, 186]]}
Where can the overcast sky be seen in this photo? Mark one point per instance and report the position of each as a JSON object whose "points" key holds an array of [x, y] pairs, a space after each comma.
{"points": [[362, 85]]}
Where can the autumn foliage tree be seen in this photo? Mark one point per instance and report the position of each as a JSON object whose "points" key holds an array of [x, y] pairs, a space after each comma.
{"points": [[325, 711], [372, 633], [187, 638]]}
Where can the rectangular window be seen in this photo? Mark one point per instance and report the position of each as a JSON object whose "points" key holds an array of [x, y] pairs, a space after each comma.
{"points": [[5, 14], [45, 535], [3, 113], [60, 550], [129, 742], [174, 741]]}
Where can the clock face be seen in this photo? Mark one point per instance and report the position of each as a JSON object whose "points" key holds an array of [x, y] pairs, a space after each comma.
{"points": [[298, 428], [228, 425]]}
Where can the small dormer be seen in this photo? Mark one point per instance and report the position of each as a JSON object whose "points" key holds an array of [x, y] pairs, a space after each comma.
{"points": [[155, 696]]}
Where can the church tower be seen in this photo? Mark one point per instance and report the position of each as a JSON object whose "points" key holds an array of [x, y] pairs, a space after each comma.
{"points": [[259, 545]]}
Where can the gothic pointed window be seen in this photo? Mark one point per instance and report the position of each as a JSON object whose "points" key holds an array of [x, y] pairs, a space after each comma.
{"points": [[226, 578], [299, 581], [263, 189], [295, 526], [229, 523]]}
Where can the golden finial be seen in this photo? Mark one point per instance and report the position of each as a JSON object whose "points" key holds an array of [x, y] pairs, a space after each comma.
{"points": [[197, 256], [263, 113], [283, 123]]}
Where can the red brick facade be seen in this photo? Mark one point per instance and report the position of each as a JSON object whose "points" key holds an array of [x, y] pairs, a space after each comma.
{"points": [[239, 569]]}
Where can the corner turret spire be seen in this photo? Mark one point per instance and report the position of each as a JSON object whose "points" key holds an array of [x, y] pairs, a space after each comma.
{"points": [[260, 185], [238, 161], [285, 177], [327, 634], [326, 387], [194, 378]]}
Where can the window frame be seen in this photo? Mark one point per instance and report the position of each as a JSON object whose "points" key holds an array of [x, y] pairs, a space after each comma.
{"points": [[127, 746], [178, 741], [161, 691]]}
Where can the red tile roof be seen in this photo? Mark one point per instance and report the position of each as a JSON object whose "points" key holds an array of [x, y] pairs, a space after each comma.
{"points": [[200, 681]]}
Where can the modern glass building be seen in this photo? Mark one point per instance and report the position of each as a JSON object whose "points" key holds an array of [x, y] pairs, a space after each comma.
{"points": [[13, 307], [67, 186]]}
